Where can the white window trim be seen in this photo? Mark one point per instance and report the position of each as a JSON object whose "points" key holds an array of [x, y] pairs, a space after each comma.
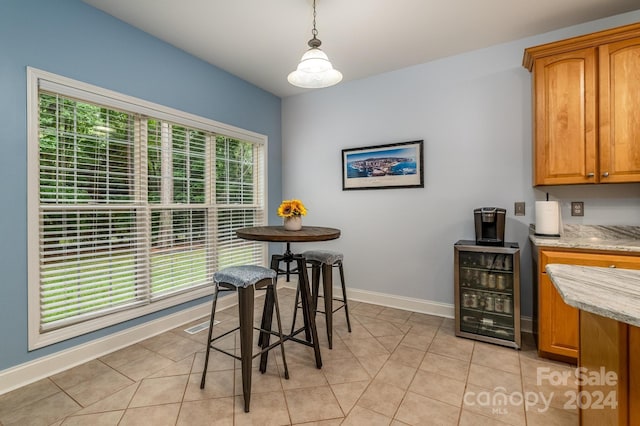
{"points": [[37, 78]]}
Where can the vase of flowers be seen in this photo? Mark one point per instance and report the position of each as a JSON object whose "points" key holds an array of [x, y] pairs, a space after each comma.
{"points": [[292, 211]]}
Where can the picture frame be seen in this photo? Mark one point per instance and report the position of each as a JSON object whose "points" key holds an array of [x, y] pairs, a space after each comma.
{"points": [[393, 165]]}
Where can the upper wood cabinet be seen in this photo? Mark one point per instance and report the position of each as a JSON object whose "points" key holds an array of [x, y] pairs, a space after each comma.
{"points": [[586, 106]]}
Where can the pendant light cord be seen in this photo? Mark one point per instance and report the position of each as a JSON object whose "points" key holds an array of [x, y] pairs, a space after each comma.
{"points": [[314, 32]]}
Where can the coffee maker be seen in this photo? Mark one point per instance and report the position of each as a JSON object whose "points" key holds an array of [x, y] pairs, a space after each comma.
{"points": [[489, 226]]}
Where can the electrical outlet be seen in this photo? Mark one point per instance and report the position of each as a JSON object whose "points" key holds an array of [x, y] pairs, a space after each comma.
{"points": [[519, 208], [577, 208]]}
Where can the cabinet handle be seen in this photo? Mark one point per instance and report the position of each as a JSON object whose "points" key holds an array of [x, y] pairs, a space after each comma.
{"points": [[605, 174], [612, 266], [589, 175]]}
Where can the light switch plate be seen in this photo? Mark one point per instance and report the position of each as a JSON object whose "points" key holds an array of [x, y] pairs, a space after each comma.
{"points": [[577, 208], [519, 208]]}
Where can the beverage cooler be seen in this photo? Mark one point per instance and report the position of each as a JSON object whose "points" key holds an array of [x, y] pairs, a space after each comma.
{"points": [[487, 292]]}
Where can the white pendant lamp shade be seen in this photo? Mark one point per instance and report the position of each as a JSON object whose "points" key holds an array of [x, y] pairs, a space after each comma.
{"points": [[314, 71]]}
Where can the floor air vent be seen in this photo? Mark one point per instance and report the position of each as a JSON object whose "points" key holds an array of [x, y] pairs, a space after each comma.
{"points": [[199, 327]]}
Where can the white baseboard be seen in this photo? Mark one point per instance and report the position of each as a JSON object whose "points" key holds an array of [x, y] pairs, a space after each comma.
{"points": [[32, 371], [446, 310]]}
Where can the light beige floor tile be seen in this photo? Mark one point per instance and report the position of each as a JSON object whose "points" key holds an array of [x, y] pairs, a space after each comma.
{"points": [[451, 346], [396, 374], [82, 373], [390, 343], [408, 356], [218, 384], [557, 394], [180, 368], [126, 355], [533, 366], [366, 309], [180, 348], [490, 378], [438, 387], [420, 410], [361, 416], [469, 418], [497, 357], [445, 366], [379, 328], [366, 347], [339, 351], [206, 412], [110, 418], [425, 319], [358, 331], [396, 316], [26, 395], [382, 398], [159, 415], [348, 393], [494, 404], [140, 368], [98, 387], [161, 390], [117, 401], [302, 376], [265, 409], [543, 415], [418, 341], [42, 412], [267, 382], [373, 364], [312, 404], [346, 370]]}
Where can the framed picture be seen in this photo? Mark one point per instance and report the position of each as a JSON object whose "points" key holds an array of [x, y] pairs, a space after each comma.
{"points": [[394, 165]]}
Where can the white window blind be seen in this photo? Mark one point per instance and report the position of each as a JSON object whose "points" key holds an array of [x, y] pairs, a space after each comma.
{"points": [[134, 212]]}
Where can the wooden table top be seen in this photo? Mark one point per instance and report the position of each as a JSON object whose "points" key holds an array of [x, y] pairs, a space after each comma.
{"points": [[279, 234]]}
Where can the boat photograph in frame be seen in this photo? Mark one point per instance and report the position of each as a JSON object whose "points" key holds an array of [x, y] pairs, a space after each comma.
{"points": [[394, 165]]}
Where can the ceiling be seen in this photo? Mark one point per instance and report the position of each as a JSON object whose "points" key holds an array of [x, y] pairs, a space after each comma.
{"points": [[261, 41]]}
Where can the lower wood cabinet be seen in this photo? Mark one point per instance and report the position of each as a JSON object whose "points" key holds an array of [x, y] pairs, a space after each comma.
{"points": [[610, 366], [557, 323]]}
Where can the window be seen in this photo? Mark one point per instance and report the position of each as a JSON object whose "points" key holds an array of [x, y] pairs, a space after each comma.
{"points": [[132, 206]]}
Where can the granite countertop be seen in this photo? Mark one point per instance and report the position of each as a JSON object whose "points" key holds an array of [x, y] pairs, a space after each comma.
{"points": [[609, 292], [593, 237]]}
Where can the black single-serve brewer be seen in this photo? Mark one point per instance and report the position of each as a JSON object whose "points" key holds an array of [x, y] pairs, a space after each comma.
{"points": [[489, 226]]}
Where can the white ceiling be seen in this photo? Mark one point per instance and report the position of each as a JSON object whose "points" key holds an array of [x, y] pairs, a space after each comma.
{"points": [[261, 41]]}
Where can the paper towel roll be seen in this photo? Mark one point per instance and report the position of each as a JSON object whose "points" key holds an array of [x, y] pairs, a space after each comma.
{"points": [[548, 218]]}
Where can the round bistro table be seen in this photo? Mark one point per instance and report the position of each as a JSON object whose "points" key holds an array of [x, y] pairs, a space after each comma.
{"points": [[277, 234]]}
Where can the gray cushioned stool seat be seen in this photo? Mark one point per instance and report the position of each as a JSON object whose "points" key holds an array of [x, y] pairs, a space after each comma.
{"points": [[323, 256], [243, 276]]}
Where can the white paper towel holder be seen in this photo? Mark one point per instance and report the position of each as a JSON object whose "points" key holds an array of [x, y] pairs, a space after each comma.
{"points": [[559, 226]]}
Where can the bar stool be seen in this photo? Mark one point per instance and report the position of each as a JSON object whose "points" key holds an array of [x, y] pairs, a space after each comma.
{"points": [[245, 280], [322, 263]]}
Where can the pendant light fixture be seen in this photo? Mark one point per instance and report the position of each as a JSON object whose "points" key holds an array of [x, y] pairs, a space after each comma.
{"points": [[314, 70]]}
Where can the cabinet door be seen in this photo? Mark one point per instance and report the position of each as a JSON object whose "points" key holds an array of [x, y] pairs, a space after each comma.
{"points": [[619, 109], [634, 375], [558, 322], [565, 129]]}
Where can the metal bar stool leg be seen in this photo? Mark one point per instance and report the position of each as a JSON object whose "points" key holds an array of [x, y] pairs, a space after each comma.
{"points": [[344, 296], [213, 315], [245, 306], [327, 288], [310, 323]]}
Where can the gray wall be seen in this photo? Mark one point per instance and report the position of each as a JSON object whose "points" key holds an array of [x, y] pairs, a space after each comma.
{"points": [[77, 41], [474, 113]]}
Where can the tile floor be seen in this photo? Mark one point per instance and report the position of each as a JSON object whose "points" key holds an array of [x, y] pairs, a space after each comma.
{"points": [[395, 368]]}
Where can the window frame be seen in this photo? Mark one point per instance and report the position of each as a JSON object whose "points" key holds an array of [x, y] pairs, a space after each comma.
{"points": [[85, 92]]}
